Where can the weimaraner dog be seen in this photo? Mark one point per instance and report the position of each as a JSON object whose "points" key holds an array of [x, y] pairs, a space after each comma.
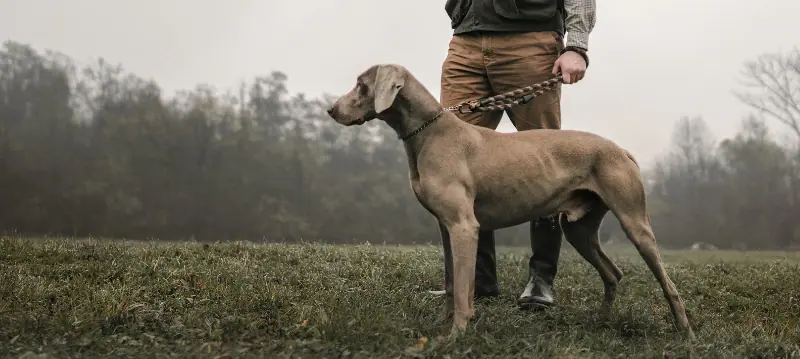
{"points": [[470, 177]]}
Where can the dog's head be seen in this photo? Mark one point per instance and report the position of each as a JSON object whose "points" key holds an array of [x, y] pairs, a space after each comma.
{"points": [[374, 92]]}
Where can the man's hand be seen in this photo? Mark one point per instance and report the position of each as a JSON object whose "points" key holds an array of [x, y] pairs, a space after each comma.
{"points": [[571, 65]]}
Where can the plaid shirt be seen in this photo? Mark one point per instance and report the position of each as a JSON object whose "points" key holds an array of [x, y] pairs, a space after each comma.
{"points": [[579, 22]]}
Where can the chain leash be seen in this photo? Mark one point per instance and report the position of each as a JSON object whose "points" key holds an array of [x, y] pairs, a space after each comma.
{"points": [[494, 103], [507, 100]]}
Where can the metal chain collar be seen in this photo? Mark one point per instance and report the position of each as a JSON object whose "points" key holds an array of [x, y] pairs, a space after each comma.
{"points": [[508, 99], [420, 128]]}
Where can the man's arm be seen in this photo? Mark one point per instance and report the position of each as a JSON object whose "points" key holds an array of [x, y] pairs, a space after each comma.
{"points": [[579, 22]]}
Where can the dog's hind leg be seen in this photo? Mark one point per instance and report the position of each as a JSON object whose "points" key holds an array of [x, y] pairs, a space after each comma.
{"points": [[623, 193], [583, 236], [617, 272]]}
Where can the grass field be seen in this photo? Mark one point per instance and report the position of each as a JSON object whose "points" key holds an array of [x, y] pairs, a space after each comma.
{"points": [[69, 298]]}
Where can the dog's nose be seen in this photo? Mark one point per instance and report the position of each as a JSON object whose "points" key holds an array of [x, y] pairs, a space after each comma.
{"points": [[330, 111]]}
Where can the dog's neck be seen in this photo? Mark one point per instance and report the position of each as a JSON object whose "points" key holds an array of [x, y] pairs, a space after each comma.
{"points": [[413, 112]]}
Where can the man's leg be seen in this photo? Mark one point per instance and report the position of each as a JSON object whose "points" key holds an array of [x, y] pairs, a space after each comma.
{"points": [[464, 78], [519, 60]]}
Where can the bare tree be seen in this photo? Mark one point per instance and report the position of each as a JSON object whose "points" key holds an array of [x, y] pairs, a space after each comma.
{"points": [[773, 87]]}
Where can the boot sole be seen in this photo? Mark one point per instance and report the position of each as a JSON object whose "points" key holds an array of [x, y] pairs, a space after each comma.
{"points": [[533, 304]]}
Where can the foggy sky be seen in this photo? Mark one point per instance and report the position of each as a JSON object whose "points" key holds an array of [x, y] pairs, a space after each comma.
{"points": [[651, 61]]}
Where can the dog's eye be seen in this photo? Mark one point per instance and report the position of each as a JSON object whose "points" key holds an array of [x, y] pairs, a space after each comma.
{"points": [[361, 87]]}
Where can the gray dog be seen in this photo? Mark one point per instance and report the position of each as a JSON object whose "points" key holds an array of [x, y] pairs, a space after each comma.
{"points": [[471, 177]]}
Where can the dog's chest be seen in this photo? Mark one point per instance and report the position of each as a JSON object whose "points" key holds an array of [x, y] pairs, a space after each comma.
{"points": [[416, 187]]}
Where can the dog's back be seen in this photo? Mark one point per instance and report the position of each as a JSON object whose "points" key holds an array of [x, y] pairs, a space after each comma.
{"points": [[573, 143]]}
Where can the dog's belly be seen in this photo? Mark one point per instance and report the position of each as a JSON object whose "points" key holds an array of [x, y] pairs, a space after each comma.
{"points": [[530, 184], [497, 212], [523, 199]]}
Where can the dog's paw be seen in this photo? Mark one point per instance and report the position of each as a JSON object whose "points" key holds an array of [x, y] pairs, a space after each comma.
{"points": [[445, 314], [456, 332], [606, 309], [690, 336]]}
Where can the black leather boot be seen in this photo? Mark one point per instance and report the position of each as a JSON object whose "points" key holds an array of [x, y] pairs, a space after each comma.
{"points": [[486, 284], [546, 245]]}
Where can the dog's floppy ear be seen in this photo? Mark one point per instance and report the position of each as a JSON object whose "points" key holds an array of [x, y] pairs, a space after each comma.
{"points": [[388, 83]]}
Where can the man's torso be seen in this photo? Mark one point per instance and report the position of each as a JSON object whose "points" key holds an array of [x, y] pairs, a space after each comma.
{"points": [[468, 16]]}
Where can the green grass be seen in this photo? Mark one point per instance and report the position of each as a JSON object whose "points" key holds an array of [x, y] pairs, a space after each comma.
{"points": [[69, 298]]}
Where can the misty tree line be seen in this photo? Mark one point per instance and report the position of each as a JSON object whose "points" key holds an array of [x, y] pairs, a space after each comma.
{"points": [[97, 151]]}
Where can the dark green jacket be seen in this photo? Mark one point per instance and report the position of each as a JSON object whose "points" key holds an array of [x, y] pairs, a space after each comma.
{"points": [[505, 15]]}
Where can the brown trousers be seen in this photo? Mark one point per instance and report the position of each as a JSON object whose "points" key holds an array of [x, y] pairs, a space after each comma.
{"points": [[484, 64]]}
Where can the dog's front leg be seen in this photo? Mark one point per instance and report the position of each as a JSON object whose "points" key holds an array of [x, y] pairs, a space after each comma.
{"points": [[447, 309], [464, 245]]}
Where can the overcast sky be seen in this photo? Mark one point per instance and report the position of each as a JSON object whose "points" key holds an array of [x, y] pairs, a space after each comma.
{"points": [[651, 61]]}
